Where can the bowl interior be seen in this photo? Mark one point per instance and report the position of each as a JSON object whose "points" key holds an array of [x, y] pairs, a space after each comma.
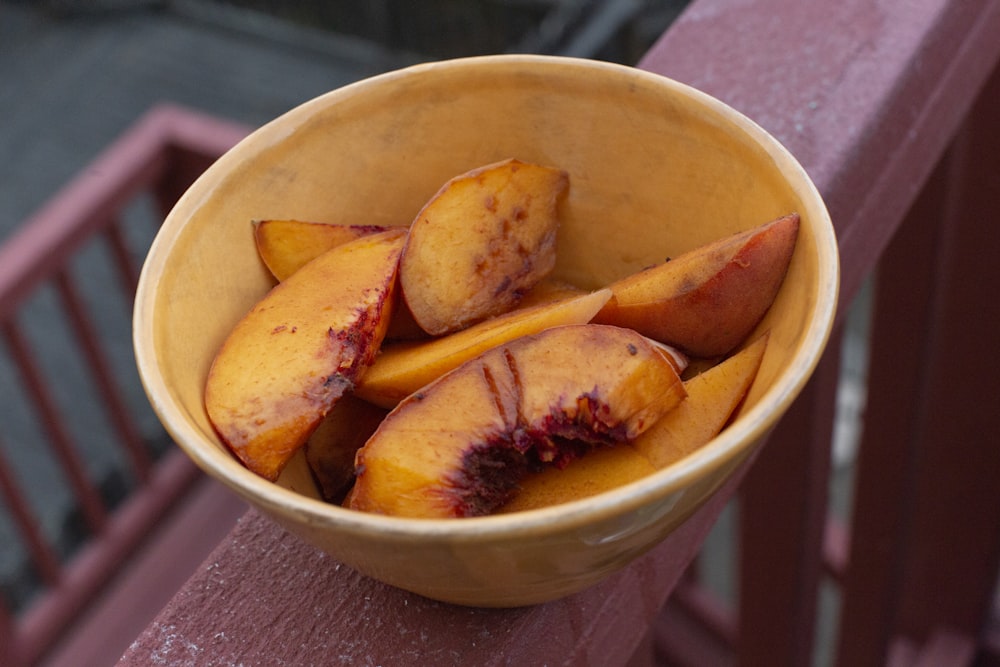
{"points": [[656, 168]]}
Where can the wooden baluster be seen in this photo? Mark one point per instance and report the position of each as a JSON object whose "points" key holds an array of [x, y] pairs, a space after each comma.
{"points": [[783, 509], [43, 558], [89, 500], [695, 628], [125, 263], [39, 254], [185, 167], [103, 375]]}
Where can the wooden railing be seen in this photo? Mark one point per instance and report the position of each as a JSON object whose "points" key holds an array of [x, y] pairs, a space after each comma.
{"points": [[155, 160], [892, 108], [914, 570]]}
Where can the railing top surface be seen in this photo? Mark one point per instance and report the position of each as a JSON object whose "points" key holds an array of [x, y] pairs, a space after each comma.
{"points": [[867, 93]]}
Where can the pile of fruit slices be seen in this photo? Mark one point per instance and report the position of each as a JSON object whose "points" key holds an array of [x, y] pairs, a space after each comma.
{"points": [[437, 371]]}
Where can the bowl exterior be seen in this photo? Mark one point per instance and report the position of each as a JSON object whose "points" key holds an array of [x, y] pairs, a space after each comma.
{"points": [[550, 560], [656, 168]]}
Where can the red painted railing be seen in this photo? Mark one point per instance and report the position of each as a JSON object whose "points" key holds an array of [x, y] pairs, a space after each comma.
{"points": [[157, 158]]}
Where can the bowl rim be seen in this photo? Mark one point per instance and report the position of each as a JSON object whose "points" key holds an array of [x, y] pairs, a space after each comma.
{"points": [[748, 429]]}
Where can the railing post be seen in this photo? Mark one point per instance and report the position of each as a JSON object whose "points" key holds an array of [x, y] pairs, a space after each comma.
{"points": [[783, 509]]}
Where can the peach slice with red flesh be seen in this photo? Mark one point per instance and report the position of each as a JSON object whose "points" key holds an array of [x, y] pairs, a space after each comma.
{"points": [[483, 240], [459, 446], [713, 397], [300, 348], [708, 300], [402, 368]]}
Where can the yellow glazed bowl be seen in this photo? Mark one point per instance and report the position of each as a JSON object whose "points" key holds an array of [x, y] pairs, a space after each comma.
{"points": [[656, 168]]}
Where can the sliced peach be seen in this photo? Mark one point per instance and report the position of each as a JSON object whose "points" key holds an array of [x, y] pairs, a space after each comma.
{"points": [[452, 434], [300, 348], [482, 241], [601, 470], [287, 245], [459, 446], [331, 448], [712, 398], [708, 300], [402, 368]]}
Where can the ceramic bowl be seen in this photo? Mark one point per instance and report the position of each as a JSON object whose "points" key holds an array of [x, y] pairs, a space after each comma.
{"points": [[656, 168]]}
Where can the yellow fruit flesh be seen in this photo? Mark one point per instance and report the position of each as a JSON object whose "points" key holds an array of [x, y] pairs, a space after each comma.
{"points": [[402, 368], [299, 349], [480, 243], [712, 397], [457, 447], [598, 471], [285, 246]]}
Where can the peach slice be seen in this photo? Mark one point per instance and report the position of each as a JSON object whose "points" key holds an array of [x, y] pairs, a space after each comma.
{"points": [[300, 348], [483, 240], [708, 300], [598, 471], [459, 446], [712, 397], [286, 245], [402, 368], [331, 448]]}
